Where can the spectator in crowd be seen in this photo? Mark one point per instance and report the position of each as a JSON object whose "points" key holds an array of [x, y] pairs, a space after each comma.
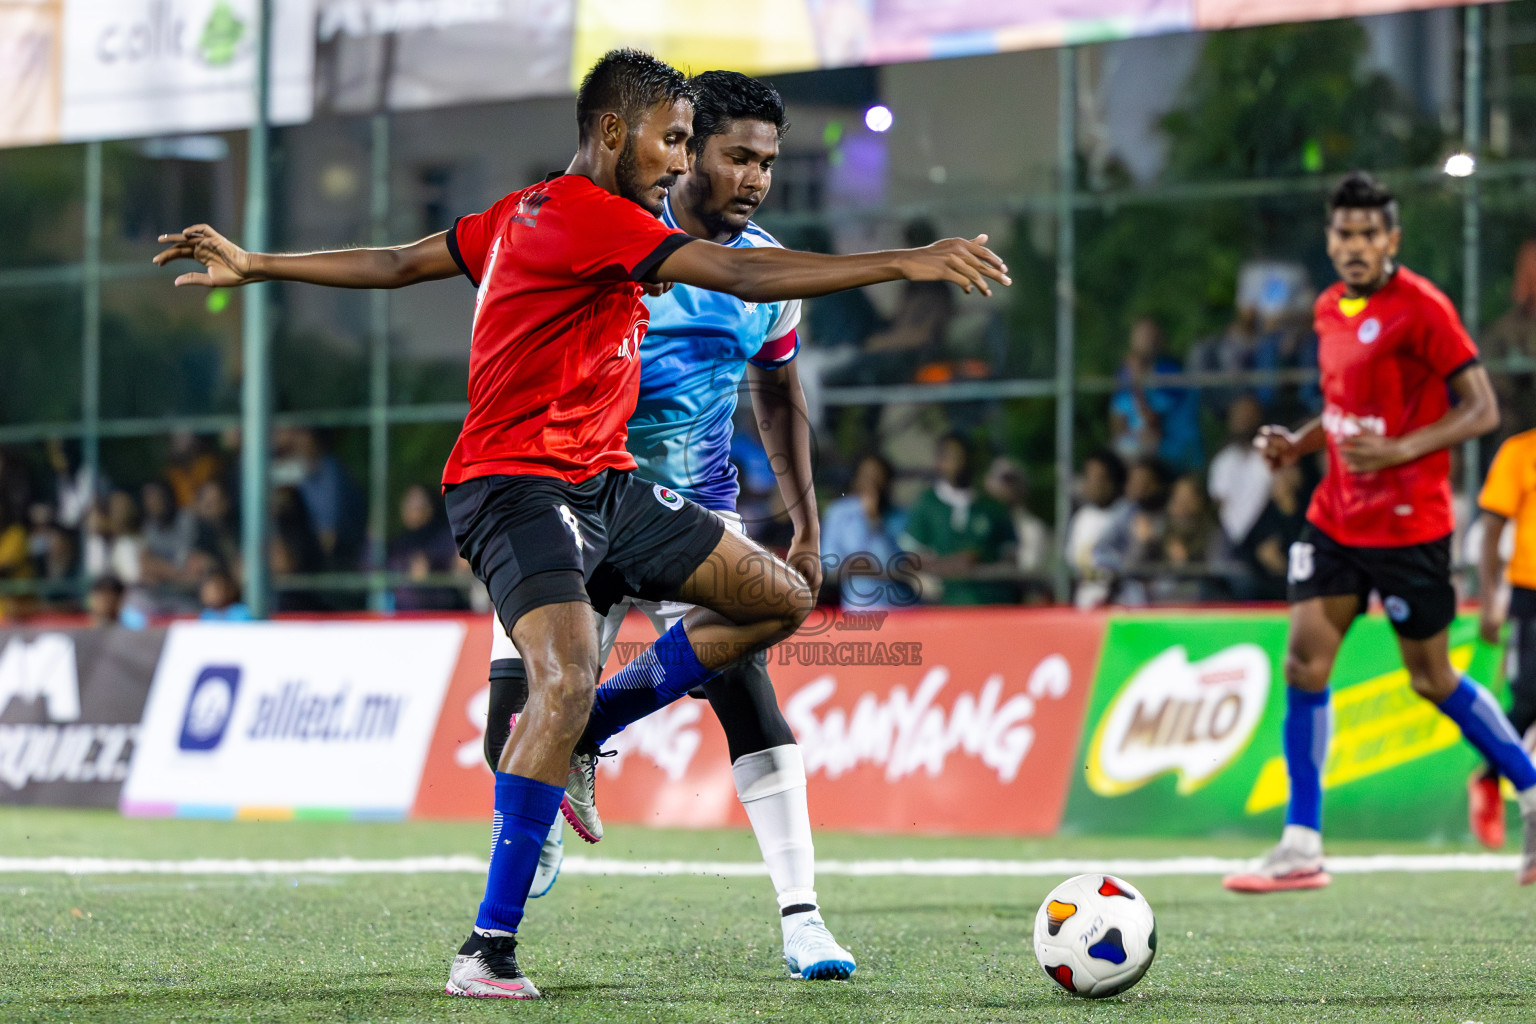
{"points": [[40, 527], [104, 602], [15, 554], [834, 328], [1154, 420], [957, 530], [425, 548], [15, 483], [1239, 481], [216, 533], [918, 331], [1135, 536], [193, 462], [1512, 339], [76, 490], [168, 534], [294, 550], [1266, 550], [1272, 330], [859, 541], [220, 597], [1102, 490], [114, 545], [107, 604], [62, 559], [1193, 547], [333, 499], [1006, 483]]}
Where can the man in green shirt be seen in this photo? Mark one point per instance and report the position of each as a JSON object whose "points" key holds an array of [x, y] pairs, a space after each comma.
{"points": [[956, 528]]}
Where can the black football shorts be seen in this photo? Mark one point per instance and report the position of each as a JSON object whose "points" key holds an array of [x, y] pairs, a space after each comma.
{"points": [[538, 540], [1414, 581]]}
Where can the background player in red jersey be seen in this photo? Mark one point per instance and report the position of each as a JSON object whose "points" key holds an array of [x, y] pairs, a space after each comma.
{"points": [[539, 485], [1393, 356]]}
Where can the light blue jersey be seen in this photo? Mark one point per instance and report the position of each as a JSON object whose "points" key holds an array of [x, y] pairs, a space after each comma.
{"points": [[691, 363]]}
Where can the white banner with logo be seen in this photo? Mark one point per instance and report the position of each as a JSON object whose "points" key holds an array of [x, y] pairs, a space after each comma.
{"points": [[278, 719], [162, 67]]}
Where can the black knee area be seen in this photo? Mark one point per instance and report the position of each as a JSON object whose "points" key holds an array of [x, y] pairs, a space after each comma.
{"points": [[743, 699], [509, 695]]}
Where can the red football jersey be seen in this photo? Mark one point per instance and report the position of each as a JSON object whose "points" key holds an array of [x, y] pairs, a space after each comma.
{"points": [[1384, 371], [554, 365]]}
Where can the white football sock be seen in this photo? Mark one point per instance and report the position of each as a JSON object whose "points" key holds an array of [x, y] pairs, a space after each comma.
{"points": [[1308, 840], [771, 786]]}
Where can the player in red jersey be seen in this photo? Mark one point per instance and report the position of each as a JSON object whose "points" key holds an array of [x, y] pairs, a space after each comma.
{"points": [[1401, 385], [539, 486]]}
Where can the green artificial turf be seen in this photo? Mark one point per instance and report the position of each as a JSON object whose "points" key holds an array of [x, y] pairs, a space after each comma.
{"points": [[1389, 948]]}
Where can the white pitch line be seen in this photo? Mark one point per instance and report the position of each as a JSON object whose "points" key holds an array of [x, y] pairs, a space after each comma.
{"points": [[950, 868]]}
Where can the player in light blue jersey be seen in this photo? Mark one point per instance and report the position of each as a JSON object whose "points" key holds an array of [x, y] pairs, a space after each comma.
{"points": [[698, 348]]}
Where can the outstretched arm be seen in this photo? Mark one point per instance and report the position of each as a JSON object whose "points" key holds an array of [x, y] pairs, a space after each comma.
{"points": [[784, 426], [229, 265], [772, 275]]}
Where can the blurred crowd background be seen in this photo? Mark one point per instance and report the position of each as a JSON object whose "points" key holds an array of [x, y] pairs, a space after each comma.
{"points": [[1186, 216]]}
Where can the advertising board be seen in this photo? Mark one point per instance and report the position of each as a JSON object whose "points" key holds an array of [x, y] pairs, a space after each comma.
{"points": [[1183, 733], [70, 703], [291, 719], [938, 721]]}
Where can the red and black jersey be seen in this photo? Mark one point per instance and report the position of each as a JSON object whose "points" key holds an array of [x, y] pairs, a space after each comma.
{"points": [[554, 366], [1385, 363]]}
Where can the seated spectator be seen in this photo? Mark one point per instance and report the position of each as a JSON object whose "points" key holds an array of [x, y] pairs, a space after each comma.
{"points": [[221, 599], [1163, 421], [1006, 483], [858, 542], [113, 545], [193, 462], [1266, 550], [294, 550], [107, 605], [215, 533], [1103, 498], [425, 548], [956, 530], [1193, 546], [168, 534], [918, 331], [1134, 538], [334, 500], [1239, 481], [15, 555], [40, 527]]}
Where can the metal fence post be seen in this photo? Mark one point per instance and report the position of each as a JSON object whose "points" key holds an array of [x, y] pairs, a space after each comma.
{"points": [[378, 377], [90, 337], [1066, 300], [1471, 215], [256, 385]]}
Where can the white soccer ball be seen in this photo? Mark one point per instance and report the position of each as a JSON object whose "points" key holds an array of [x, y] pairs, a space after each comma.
{"points": [[1095, 935]]}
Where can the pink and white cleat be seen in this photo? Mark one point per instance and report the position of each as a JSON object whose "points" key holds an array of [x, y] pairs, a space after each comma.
{"points": [[486, 967]]}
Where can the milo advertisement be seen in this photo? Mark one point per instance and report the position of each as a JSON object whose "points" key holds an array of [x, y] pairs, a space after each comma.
{"points": [[1182, 735]]}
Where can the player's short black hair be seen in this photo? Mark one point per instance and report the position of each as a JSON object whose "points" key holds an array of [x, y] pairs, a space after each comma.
{"points": [[629, 83], [1361, 191], [720, 97]]}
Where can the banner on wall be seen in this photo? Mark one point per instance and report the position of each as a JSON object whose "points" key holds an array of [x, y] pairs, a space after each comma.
{"points": [[412, 54], [940, 721], [162, 67], [291, 719], [70, 703], [31, 36], [1183, 733]]}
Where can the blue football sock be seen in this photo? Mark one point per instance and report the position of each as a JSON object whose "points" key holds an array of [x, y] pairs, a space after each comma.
{"points": [[525, 809], [663, 673], [1307, 728], [1485, 726]]}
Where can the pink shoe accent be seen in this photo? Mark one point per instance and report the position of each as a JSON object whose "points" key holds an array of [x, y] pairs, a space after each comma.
{"points": [[575, 822], [514, 991], [1255, 883]]}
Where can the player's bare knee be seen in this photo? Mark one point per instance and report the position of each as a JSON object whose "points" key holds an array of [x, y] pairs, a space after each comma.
{"points": [[1306, 673]]}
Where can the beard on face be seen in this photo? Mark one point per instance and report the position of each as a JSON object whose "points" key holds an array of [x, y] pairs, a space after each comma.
{"points": [[631, 185]]}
